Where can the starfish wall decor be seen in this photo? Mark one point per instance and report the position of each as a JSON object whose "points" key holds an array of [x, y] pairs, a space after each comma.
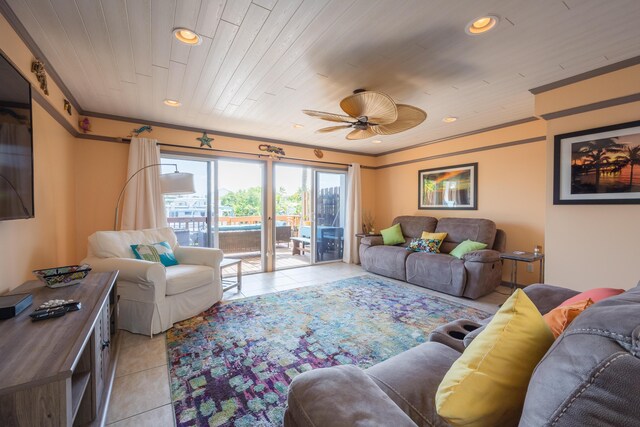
{"points": [[205, 140]]}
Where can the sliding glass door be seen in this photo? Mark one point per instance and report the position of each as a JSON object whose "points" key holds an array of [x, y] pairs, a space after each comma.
{"points": [[329, 215], [292, 225], [235, 225]]}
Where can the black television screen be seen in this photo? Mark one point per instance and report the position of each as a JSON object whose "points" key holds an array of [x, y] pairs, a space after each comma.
{"points": [[16, 145]]}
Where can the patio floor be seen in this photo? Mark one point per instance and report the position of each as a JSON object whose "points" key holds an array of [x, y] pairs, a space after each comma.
{"points": [[251, 262]]}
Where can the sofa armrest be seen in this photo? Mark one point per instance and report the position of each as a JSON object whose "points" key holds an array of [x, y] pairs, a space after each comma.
{"points": [[483, 255], [199, 256], [138, 280], [372, 241], [340, 396]]}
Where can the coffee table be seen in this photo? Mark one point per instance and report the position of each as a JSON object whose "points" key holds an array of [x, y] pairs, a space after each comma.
{"points": [[229, 283]]}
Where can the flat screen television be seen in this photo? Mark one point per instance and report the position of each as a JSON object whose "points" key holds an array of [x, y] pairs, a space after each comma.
{"points": [[16, 144]]}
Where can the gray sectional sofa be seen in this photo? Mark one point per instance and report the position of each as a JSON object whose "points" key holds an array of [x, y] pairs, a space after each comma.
{"points": [[476, 274], [589, 377]]}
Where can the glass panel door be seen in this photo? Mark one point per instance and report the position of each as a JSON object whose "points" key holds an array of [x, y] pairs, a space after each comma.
{"points": [[292, 226], [240, 226], [329, 221], [187, 214]]}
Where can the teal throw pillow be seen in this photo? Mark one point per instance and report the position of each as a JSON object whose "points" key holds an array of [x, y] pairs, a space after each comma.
{"points": [[156, 252], [392, 235], [424, 245], [466, 247]]}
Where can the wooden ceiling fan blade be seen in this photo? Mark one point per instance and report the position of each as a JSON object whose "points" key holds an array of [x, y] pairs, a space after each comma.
{"points": [[332, 128], [376, 106], [408, 117], [360, 134], [329, 116]]}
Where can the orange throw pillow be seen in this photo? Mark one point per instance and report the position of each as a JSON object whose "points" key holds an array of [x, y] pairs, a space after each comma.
{"points": [[560, 317]]}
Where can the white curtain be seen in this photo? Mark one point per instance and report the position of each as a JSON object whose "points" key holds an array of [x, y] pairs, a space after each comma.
{"points": [[143, 202], [353, 224]]}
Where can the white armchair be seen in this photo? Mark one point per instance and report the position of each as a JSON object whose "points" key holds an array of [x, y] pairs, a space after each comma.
{"points": [[153, 297]]}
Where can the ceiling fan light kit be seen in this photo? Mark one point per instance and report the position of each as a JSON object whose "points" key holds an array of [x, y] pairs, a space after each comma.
{"points": [[371, 113]]}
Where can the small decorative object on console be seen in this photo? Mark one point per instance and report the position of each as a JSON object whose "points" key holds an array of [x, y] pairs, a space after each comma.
{"points": [[85, 125], [141, 129], [67, 107], [58, 277], [12, 305]]}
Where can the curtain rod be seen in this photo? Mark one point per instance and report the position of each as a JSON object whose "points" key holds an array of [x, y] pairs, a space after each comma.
{"points": [[209, 150]]}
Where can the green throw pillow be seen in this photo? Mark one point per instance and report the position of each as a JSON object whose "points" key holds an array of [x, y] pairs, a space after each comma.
{"points": [[392, 235], [466, 247], [156, 252]]}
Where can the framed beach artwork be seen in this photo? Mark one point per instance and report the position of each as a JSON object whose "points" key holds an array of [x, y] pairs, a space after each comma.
{"points": [[453, 187], [598, 166]]}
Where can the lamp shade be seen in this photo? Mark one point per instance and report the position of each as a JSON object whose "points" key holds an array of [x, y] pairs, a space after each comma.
{"points": [[177, 183]]}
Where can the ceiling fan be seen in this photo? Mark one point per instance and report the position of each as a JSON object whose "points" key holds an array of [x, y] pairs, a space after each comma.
{"points": [[371, 113]]}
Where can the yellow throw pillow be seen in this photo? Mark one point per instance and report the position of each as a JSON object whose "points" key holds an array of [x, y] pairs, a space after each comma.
{"points": [[486, 386], [434, 236]]}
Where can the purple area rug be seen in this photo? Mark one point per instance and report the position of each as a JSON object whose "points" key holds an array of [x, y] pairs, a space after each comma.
{"points": [[232, 364]]}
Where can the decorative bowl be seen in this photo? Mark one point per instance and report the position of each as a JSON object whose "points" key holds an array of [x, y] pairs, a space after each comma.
{"points": [[57, 277]]}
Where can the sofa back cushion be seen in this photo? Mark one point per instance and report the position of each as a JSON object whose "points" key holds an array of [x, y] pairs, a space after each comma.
{"points": [[461, 229], [117, 244], [413, 226], [591, 371]]}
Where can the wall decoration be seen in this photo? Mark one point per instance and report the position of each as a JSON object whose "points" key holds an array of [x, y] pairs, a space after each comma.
{"points": [[85, 125], [37, 67], [598, 166], [453, 187], [205, 140], [67, 107], [141, 129], [274, 152], [319, 154]]}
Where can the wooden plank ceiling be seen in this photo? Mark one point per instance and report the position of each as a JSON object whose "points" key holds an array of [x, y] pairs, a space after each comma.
{"points": [[263, 61]]}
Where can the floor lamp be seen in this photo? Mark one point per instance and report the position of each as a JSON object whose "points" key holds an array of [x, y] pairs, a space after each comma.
{"points": [[175, 182]]}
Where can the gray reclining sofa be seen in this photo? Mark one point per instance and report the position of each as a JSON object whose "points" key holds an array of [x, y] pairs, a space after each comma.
{"points": [[476, 274], [589, 377]]}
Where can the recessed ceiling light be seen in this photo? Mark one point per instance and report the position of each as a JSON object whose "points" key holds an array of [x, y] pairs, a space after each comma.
{"points": [[482, 24], [172, 103], [187, 36], [297, 126], [376, 141], [449, 119]]}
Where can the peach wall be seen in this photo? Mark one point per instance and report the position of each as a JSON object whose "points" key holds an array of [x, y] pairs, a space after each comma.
{"points": [[591, 245], [48, 239], [511, 187], [103, 168]]}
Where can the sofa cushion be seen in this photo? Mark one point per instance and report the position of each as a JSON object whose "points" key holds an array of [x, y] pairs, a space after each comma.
{"points": [[465, 247], [591, 372], [184, 277], [595, 295], [157, 252], [117, 244], [440, 272], [340, 396], [411, 379], [561, 317], [413, 226], [392, 235], [461, 229], [388, 261], [486, 386]]}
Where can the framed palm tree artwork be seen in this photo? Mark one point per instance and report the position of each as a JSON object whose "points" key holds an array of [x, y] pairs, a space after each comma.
{"points": [[598, 166], [452, 187]]}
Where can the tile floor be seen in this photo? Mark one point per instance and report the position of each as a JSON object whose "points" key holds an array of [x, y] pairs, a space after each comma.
{"points": [[140, 395]]}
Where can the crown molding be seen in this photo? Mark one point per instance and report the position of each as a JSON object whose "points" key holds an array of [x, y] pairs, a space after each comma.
{"points": [[588, 75], [635, 97]]}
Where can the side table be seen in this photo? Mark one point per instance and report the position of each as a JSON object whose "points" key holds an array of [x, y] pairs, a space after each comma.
{"points": [[229, 283], [523, 257]]}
